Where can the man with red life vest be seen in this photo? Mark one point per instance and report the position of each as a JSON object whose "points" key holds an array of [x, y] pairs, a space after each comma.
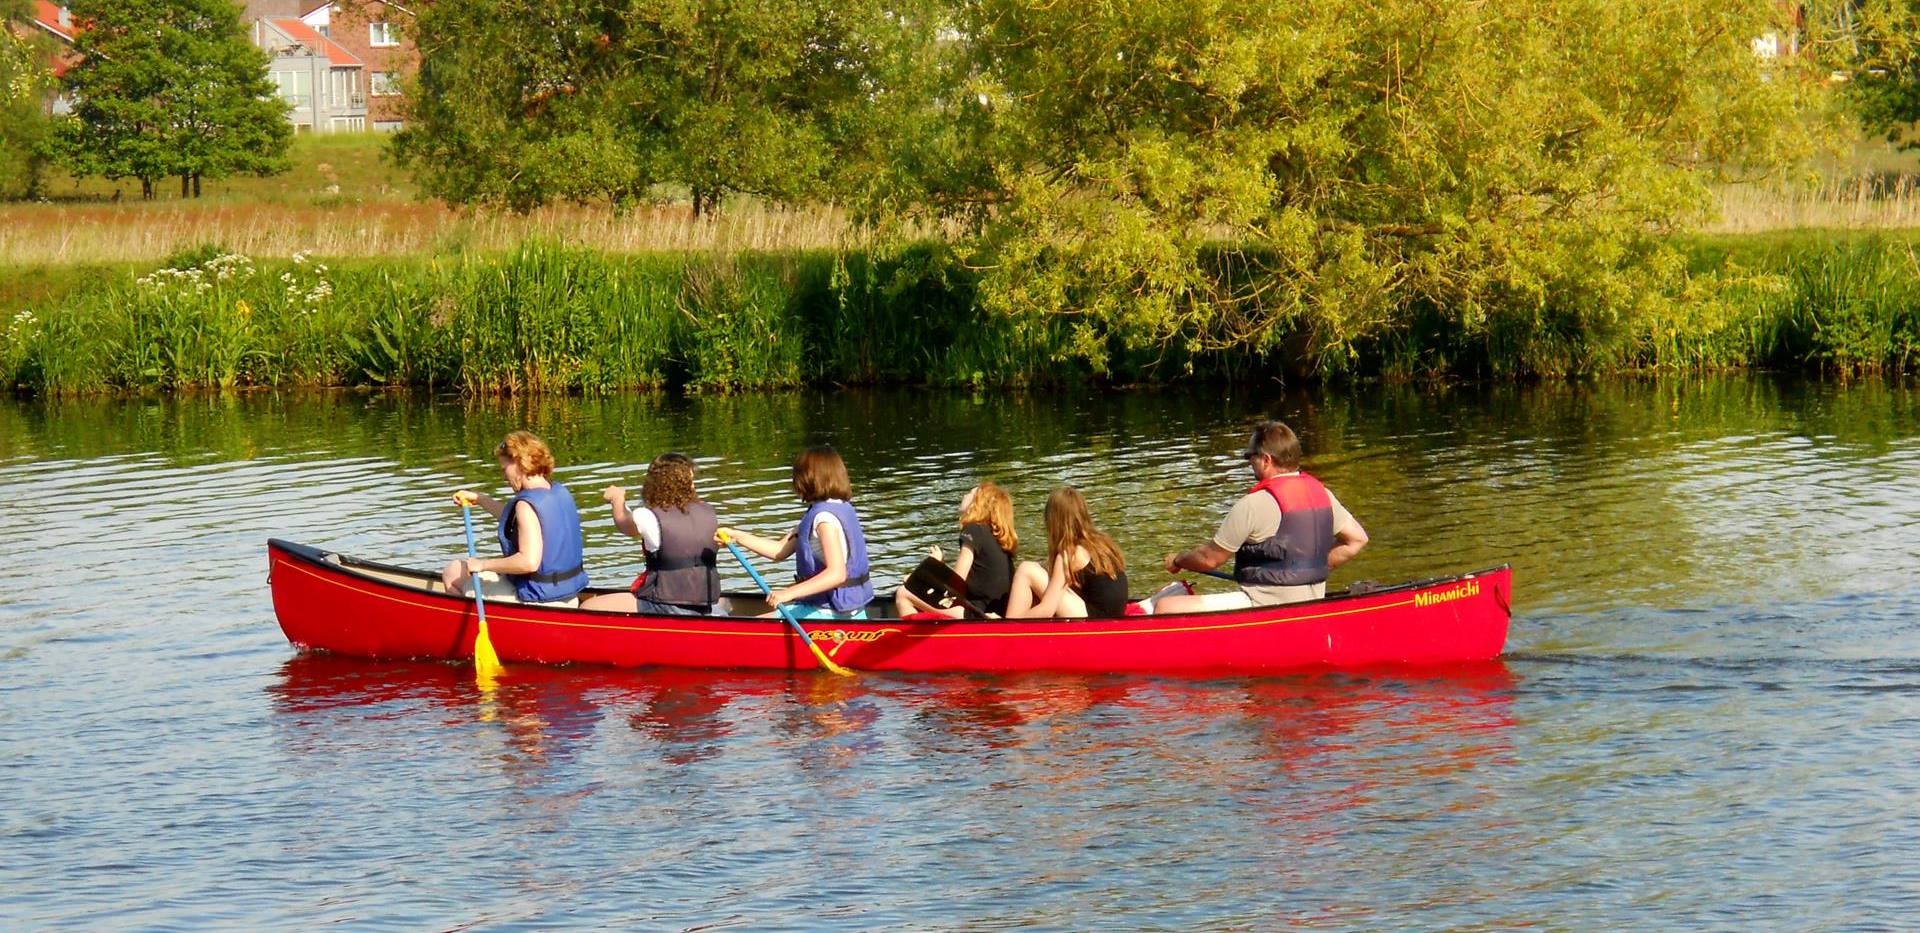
{"points": [[1284, 536]]}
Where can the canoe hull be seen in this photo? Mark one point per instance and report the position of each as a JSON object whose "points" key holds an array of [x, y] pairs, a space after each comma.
{"points": [[353, 608]]}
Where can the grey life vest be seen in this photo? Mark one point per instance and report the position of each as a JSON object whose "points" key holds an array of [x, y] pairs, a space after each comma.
{"points": [[684, 571]]}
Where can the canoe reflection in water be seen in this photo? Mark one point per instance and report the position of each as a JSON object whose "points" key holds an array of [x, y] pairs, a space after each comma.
{"points": [[1297, 747]]}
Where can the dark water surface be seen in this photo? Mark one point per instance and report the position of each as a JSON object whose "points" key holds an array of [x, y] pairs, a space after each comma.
{"points": [[1709, 716]]}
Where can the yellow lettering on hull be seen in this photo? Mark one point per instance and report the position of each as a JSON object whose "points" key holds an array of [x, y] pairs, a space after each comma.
{"points": [[1464, 590]]}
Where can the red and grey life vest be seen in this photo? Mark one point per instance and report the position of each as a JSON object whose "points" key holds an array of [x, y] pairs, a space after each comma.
{"points": [[562, 573], [684, 571], [1296, 555], [858, 590]]}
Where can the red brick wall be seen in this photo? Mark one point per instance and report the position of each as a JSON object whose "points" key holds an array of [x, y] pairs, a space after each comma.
{"points": [[348, 26], [251, 10]]}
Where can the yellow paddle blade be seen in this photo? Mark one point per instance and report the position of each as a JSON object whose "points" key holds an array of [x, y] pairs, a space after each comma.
{"points": [[827, 662], [486, 662]]}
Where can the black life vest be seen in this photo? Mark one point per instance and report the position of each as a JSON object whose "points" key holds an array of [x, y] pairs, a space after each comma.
{"points": [[684, 571], [1296, 555]]}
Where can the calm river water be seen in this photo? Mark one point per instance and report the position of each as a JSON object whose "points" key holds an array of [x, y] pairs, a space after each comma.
{"points": [[1709, 716]]}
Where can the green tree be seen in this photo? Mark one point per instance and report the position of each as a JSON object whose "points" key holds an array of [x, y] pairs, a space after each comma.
{"points": [[523, 101], [1876, 45], [1178, 175], [25, 80], [170, 87]]}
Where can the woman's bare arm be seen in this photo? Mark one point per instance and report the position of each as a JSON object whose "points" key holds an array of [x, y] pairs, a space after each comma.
{"points": [[770, 548]]}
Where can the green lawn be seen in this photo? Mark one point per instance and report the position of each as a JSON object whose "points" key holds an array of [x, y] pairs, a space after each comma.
{"points": [[327, 168]]}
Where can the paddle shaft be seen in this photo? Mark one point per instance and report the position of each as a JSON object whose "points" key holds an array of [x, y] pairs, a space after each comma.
{"points": [[785, 611], [479, 601], [486, 661]]}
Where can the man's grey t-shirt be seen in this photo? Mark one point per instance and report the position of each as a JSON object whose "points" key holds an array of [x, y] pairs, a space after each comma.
{"points": [[1255, 518]]}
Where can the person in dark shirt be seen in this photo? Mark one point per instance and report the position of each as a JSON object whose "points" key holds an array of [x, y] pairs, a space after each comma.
{"points": [[985, 561], [1085, 576]]}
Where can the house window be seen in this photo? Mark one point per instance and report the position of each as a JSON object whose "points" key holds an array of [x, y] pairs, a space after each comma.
{"points": [[349, 124], [380, 35], [343, 92], [383, 84], [296, 87]]}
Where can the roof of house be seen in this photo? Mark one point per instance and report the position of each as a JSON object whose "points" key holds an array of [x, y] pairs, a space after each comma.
{"points": [[304, 34], [53, 18]]}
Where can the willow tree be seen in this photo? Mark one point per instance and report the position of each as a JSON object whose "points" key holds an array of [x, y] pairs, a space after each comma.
{"points": [[1199, 174], [520, 102]]}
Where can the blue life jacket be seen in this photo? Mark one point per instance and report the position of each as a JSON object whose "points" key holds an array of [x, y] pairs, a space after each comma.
{"points": [[858, 590], [1296, 555], [562, 572]]}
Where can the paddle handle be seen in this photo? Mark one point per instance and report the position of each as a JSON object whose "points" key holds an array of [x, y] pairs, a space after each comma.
{"points": [[783, 609]]}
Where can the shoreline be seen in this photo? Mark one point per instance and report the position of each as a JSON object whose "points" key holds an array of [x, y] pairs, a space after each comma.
{"points": [[542, 318]]}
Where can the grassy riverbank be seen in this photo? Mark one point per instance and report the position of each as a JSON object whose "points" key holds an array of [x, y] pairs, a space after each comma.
{"points": [[540, 318], [345, 198], [535, 319]]}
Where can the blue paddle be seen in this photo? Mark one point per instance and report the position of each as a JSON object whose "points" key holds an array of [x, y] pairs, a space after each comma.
{"points": [[785, 611], [486, 663]]}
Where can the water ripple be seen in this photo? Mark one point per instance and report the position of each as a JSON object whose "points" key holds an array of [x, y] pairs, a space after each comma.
{"points": [[1706, 719]]}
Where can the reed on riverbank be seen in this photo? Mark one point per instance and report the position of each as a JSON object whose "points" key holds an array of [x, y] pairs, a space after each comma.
{"points": [[536, 319], [541, 318]]}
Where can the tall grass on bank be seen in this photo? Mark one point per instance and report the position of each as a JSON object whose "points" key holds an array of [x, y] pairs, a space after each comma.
{"points": [[537, 319], [1852, 202], [1845, 304], [62, 233], [543, 318]]}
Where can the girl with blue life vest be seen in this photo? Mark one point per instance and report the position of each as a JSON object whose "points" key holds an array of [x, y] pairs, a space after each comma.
{"points": [[829, 550], [676, 530], [539, 534]]}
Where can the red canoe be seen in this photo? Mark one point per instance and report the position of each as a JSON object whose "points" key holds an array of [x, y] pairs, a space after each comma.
{"points": [[334, 603]]}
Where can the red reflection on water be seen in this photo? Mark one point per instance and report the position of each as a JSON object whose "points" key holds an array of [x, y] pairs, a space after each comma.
{"points": [[1297, 721]]}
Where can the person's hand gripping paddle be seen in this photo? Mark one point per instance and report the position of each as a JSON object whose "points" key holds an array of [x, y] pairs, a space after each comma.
{"points": [[785, 611]]}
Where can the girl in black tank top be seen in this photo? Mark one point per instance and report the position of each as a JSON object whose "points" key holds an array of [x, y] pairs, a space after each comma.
{"points": [[1085, 574], [985, 562]]}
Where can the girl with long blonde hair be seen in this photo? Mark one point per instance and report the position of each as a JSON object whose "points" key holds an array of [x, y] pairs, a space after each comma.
{"points": [[985, 561], [1085, 575]]}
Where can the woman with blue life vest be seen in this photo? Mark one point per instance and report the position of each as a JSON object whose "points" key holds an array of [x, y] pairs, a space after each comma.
{"points": [[675, 528], [829, 550], [539, 533], [1284, 536]]}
